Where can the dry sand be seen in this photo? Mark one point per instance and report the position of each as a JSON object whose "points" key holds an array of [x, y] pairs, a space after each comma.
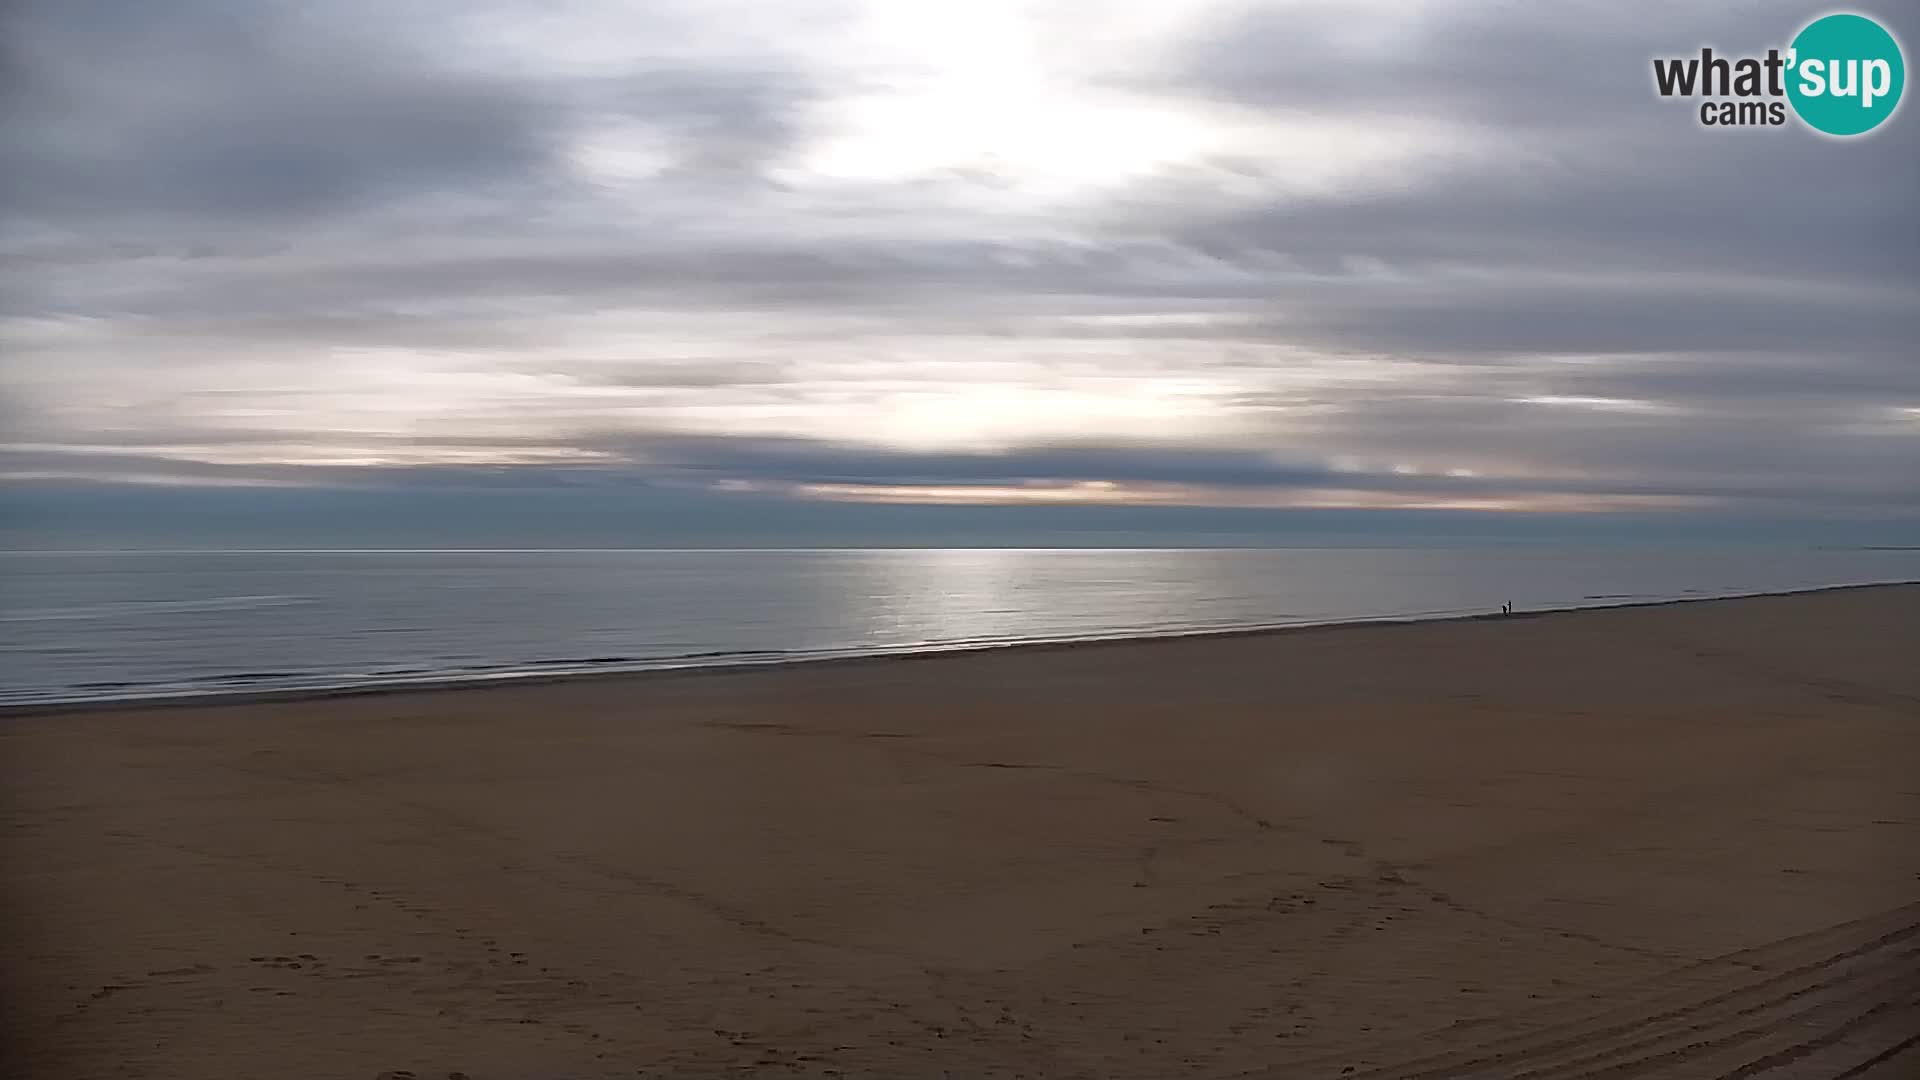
{"points": [[1676, 841]]}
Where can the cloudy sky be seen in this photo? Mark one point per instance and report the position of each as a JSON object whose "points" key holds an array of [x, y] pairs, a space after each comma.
{"points": [[1187, 256]]}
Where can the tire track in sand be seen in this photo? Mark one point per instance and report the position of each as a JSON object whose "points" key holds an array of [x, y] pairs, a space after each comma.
{"points": [[1847, 993]]}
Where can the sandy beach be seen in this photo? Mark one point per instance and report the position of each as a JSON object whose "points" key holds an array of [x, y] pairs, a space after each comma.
{"points": [[1671, 841]]}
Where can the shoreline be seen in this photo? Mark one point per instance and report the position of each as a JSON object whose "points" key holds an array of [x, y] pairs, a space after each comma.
{"points": [[670, 667]]}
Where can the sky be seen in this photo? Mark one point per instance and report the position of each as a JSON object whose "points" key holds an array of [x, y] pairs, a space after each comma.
{"points": [[604, 271]]}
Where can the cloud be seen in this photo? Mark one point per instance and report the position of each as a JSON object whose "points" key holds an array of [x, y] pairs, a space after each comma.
{"points": [[1432, 252], [213, 116], [721, 122], [215, 113]]}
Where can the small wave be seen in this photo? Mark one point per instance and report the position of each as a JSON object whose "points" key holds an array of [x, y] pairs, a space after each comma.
{"points": [[721, 654], [139, 608], [575, 662]]}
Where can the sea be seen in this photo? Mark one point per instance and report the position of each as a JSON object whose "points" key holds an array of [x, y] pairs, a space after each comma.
{"points": [[100, 626]]}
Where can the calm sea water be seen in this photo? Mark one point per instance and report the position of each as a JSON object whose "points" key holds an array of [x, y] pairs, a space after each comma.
{"points": [[81, 626]]}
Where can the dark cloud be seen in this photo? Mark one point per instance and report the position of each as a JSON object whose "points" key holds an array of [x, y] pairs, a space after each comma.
{"points": [[214, 112], [1714, 446], [1777, 204], [780, 464], [1568, 160], [803, 461], [1582, 452], [1585, 317], [1524, 68], [684, 373], [727, 122], [1747, 382], [782, 468]]}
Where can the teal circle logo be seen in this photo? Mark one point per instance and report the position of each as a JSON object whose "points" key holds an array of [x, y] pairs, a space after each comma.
{"points": [[1845, 74]]}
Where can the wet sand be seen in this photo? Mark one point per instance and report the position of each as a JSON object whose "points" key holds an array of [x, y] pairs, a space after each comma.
{"points": [[1674, 841]]}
